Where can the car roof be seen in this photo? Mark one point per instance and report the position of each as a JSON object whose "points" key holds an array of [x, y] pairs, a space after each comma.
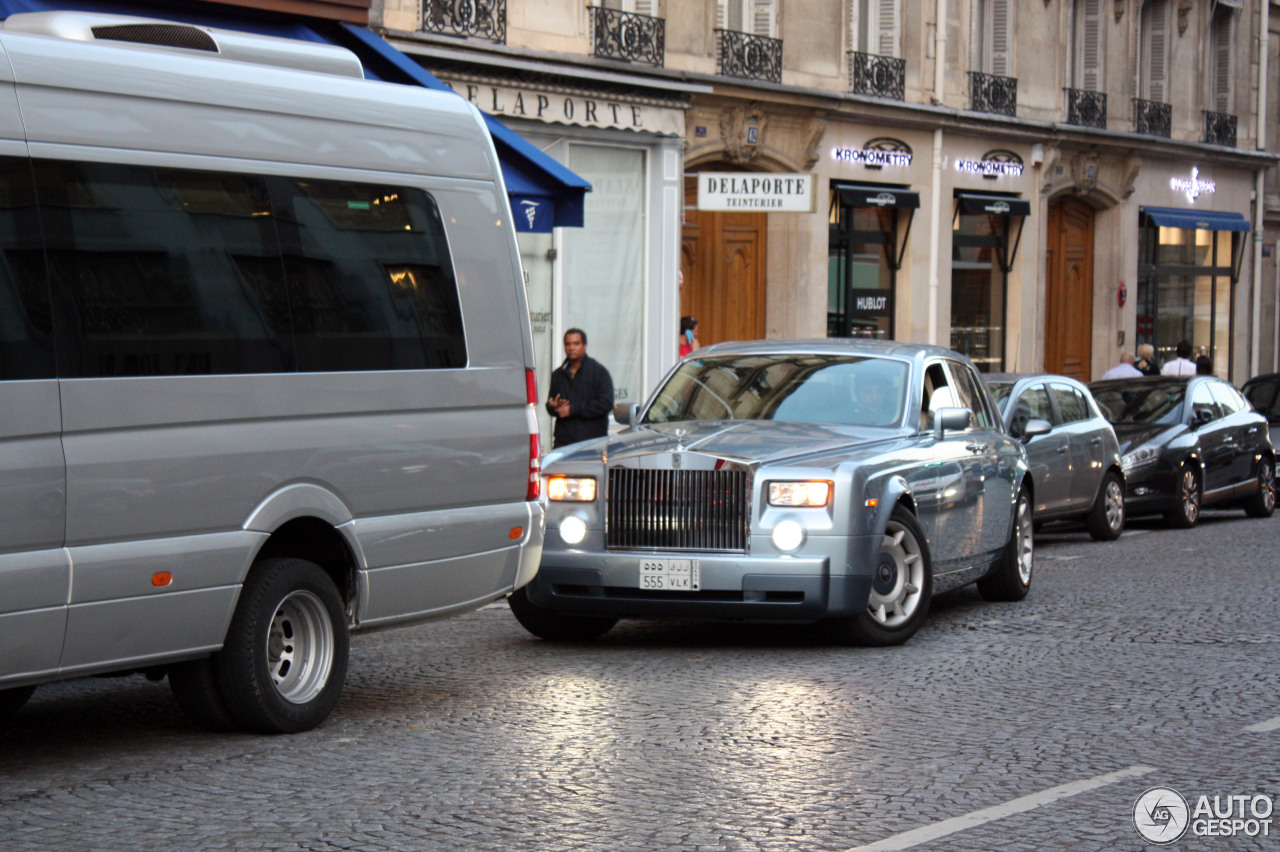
{"points": [[829, 346]]}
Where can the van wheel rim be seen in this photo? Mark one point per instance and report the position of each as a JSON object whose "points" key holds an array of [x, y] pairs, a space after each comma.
{"points": [[1115, 505], [899, 578], [300, 647]]}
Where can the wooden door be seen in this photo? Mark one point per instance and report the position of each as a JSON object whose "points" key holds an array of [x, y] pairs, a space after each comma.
{"points": [[722, 258], [1068, 320]]}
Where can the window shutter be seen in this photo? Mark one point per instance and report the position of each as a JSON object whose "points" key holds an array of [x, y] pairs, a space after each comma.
{"points": [[886, 27], [646, 7], [1091, 46], [1221, 64], [762, 17], [722, 14], [1156, 37], [997, 38]]}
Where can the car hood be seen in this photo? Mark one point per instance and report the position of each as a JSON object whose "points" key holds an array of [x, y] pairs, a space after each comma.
{"points": [[1134, 435], [743, 441]]}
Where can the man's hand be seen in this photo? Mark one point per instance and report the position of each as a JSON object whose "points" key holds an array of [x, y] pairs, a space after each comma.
{"points": [[560, 405]]}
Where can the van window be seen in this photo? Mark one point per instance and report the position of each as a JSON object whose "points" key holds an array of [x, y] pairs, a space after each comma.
{"points": [[162, 271], [26, 332], [370, 281], [159, 271]]}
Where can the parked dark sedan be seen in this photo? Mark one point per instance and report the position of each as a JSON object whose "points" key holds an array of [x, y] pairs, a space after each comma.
{"points": [[836, 481], [1189, 443], [1075, 461], [1263, 393]]}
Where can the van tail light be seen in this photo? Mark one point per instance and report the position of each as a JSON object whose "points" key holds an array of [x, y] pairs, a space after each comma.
{"points": [[535, 463]]}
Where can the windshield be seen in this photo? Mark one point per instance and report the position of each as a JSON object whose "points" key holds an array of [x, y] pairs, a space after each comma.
{"points": [[836, 389], [1145, 404]]}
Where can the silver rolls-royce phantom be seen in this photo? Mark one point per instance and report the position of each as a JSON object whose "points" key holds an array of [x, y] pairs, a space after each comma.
{"points": [[834, 481]]}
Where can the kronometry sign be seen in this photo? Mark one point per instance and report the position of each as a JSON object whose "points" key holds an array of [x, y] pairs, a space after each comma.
{"points": [[744, 192]]}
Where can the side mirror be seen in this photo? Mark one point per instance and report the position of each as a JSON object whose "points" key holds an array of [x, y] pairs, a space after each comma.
{"points": [[1201, 417], [1035, 426], [626, 412], [950, 419]]}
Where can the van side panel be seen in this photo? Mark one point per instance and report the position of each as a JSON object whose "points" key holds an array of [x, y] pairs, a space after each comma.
{"points": [[34, 570]]}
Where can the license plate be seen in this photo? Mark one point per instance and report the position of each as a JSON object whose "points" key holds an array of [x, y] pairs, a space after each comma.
{"points": [[667, 575]]}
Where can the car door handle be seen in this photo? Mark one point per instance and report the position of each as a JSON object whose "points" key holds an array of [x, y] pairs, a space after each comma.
{"points": [[976, 448], [1096, 441], [1062, 450], [1228, 439]]}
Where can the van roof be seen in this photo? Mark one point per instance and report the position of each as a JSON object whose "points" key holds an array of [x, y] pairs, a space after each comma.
{"points": [[181, 38]]}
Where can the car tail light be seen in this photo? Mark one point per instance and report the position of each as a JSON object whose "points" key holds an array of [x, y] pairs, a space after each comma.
{"points": [[535, 463]]}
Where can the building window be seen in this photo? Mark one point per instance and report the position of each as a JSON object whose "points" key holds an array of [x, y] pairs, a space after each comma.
{"points": [[982, 255], [1185, 284], [875, 27], [604, 283], [1219, 60], [1153, 64], [638, 7], [757, 17], [1086, 53], [991, 41], [860, 269]]}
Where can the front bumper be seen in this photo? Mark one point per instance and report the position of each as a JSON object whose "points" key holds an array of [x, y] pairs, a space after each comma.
{"points": [[1150, 492], [734, 587]]}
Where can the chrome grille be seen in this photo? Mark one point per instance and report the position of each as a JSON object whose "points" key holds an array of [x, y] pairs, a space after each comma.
{"points": [[703, 510]]}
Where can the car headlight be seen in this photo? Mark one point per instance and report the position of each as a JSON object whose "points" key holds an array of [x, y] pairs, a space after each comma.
{"points": [[571, 489], [1140, 457], [799, 494]]}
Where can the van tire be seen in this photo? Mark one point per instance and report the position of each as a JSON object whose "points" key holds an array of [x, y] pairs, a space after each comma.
{"points": [[195, 686], [11, 700], [284, 661], [557, 626]]}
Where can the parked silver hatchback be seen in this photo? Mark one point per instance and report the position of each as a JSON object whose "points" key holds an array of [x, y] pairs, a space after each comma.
{"points": [[1071, 448]]}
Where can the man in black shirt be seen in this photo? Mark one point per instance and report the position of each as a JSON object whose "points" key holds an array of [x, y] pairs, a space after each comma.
{"points": [[581, 394]]}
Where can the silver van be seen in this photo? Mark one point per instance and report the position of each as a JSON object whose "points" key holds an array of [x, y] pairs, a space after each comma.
{"points": [[266, 372]]}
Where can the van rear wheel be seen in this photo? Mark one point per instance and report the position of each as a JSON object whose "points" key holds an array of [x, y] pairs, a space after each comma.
{"points": [[11, 700], [285, 657]]}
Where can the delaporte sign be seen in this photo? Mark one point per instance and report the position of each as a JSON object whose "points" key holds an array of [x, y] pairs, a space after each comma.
{"points": [[755, 192]]}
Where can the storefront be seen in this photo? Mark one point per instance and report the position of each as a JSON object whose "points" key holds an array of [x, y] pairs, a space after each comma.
{"points": [[986, 234]]}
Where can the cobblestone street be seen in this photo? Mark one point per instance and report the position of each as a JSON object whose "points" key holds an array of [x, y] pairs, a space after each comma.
{"points": [[1131, 665]]}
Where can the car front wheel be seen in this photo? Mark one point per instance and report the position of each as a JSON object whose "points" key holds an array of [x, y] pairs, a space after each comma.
{"points": [[1106, 521], [901, 588], [1010, 578], [1263, 502], [1186, 506], [557, 626]]}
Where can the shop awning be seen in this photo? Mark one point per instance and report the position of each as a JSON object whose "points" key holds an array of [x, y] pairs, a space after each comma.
{"points": [[879, 196], [1203, 220], [1000, 205], [542, 192]]}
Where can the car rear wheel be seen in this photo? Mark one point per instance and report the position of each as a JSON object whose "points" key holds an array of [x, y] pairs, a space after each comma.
{"points": [[1010, 578], [901, 588], [11, 700], [1186, 506], [1263, 502], [1106, 520], [285, 657], [557, 626]]}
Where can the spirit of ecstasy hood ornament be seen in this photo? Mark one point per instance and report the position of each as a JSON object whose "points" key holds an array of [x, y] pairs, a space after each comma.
{"points": [[680, 433]]}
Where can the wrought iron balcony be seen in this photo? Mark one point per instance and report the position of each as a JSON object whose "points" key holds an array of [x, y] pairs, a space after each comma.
{"points": [[751, 56], [628, 36], [1220, 128], [485, 19], [882, 76], [1152, 118], [993, 93], [1086, 109]]}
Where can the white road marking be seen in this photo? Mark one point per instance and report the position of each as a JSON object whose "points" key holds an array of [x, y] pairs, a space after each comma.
{"points": [[1263, 727], [929, 833]]}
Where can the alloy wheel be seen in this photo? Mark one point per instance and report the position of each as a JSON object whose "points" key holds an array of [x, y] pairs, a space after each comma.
{"points": [[899, 578]]}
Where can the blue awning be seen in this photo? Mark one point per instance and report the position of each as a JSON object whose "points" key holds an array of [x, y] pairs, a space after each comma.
{"points": [[1203, 220], [542, 192]]}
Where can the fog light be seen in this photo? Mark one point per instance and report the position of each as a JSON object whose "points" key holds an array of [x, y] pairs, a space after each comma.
{"points": [[573, 529], [788, 535]]}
